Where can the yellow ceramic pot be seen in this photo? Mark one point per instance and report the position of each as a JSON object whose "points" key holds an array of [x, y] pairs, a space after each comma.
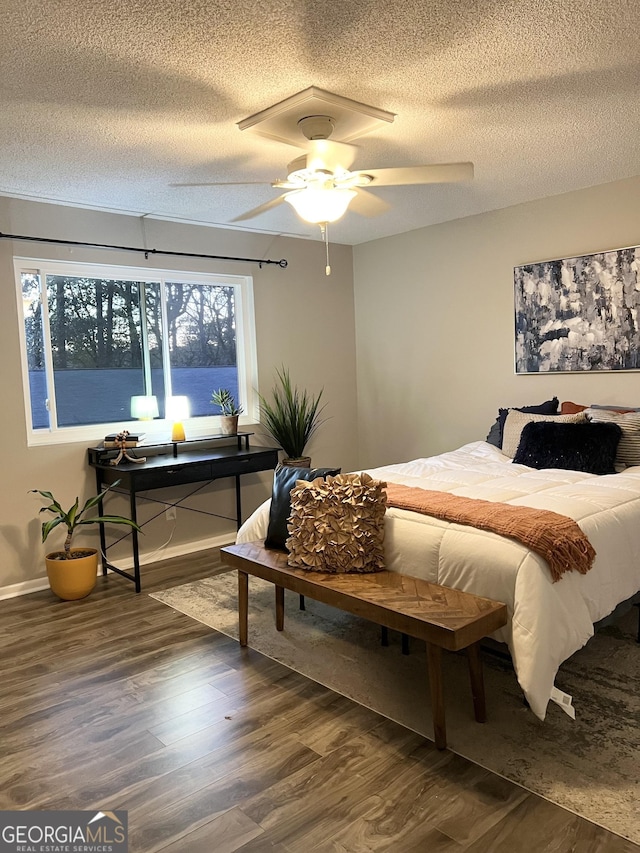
{"points": [[75, 578]]}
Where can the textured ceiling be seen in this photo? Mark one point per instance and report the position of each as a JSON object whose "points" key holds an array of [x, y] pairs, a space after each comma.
{"points": [[108, 104]]}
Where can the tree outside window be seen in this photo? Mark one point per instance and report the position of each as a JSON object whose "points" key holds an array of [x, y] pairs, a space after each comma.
{"points": [[94, 341]]}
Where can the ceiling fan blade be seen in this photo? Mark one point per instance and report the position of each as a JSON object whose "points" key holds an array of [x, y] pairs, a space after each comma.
{"points": [[262, 208], [326, 154], [226, 184], [439, 173], [368, 204], [287, 185]]}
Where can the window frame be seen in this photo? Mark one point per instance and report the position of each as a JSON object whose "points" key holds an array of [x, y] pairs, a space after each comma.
{"points": [[160, 428]]}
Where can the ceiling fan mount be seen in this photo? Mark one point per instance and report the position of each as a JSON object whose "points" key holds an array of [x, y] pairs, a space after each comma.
{"points": [[317, 127]]}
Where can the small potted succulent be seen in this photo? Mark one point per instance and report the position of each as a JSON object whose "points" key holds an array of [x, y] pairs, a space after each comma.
{"points": [[72, 572], [229, 410]]}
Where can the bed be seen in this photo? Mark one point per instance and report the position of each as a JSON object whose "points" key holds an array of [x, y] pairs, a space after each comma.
{"points": [[548, 621]]}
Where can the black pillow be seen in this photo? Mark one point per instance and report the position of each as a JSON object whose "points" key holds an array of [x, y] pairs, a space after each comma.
{"points": [[284, 480], [494, 435], [576, 447], [550, 407]]}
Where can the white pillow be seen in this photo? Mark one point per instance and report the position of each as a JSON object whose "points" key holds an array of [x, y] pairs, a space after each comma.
{"points": [[628, 452], [517, 421]]}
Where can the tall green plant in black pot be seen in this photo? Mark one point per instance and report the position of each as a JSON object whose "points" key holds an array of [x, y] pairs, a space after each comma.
{"points": [[291, 418]]}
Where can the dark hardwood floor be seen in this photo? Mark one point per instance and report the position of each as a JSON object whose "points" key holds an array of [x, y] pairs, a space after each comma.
{"points": [[119, 702]]}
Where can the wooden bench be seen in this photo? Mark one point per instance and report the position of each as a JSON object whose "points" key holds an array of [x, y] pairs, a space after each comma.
{"points": [[444, 618]]}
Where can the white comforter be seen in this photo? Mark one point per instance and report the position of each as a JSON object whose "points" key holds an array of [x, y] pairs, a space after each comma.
{"points": [[548, 621]]}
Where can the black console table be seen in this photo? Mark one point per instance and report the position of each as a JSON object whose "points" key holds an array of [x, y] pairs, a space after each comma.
{"points": [[174, 464]]}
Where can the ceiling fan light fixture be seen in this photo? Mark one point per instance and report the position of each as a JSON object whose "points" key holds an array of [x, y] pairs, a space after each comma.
{"points": [[320, 204]]}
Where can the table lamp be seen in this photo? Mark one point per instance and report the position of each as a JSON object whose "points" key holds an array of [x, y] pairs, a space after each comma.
{"points": [[177, 409], [144, 407]]}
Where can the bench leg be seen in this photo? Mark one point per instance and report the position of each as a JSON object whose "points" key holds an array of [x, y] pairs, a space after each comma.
{"points": [[243, 606], [434, 662], [279, 608], [477, 682], [405, 644]]}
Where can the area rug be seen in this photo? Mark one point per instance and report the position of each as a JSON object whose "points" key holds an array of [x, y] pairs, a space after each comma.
{"points": [[589, 765]]}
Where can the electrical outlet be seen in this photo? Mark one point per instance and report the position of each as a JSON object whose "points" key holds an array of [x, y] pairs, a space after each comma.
{"points": [[170, 513]]}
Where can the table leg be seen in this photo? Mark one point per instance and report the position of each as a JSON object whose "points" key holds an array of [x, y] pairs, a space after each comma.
{"points": [[434, 662], [238, 503], [243, 607], [477, 682], [134, 540], [279, 608], [103, 538]]}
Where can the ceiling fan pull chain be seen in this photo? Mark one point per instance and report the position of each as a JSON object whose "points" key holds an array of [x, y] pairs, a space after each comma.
{"points": [[324, 230]]}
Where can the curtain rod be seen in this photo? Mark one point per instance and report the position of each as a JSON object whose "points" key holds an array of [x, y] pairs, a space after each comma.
{"points": [[146, 252]]}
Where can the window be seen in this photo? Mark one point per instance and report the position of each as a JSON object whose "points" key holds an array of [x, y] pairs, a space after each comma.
{"points": [[94, 336]]}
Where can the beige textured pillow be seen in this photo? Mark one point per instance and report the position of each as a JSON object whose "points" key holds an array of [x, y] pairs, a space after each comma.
{"points": [[628, 452], [337, 524], [516, 422]]}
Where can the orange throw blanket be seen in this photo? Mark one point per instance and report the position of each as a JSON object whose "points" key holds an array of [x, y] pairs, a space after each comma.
{"points": [[555, 537]]}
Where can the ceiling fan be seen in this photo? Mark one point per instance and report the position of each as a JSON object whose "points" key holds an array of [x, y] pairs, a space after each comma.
{"points": [[320, 185]]}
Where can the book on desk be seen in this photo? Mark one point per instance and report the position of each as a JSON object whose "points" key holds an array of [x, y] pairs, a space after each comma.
{"points": [[132, 440]]}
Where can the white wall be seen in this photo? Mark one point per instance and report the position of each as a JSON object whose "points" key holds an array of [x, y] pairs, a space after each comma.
{"points": [[435, 324], [304, 320]]}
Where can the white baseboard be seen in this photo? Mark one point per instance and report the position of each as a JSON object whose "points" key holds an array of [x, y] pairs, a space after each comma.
{"points": [[23, 588], [38, 584]]}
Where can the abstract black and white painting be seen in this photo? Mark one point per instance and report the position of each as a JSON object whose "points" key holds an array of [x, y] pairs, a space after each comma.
{"points": [[579, 314]]}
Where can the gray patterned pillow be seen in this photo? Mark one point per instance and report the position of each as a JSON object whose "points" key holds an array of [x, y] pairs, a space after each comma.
{"points": [[516, 422], [629, 422]]}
